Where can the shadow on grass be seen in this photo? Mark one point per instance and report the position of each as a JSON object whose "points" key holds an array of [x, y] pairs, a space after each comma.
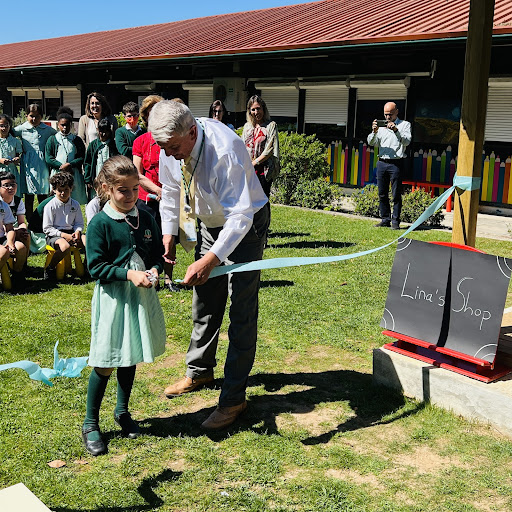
{"points": [[145, 489], [284, 234], [314, 244], [275, 283], [369, 403], [37, 286]]}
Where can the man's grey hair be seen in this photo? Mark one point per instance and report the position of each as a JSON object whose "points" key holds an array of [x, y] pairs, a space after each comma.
{"points": [[168, 118]]}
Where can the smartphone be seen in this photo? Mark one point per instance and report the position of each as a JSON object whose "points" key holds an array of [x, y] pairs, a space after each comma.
{"points": [[382, 123]]}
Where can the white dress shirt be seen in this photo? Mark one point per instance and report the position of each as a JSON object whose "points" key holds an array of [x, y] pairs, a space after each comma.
{"points": [[392, 144], [59, 216], [227, 190]]}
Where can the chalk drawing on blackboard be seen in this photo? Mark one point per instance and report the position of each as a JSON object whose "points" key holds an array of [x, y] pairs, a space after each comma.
{"points": [[482, 356], [401, 241], [391, 326], [504, 272]]}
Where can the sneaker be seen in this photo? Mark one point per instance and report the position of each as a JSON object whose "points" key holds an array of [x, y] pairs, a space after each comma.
{"points": [[383, 224], [50, 274], [395, 225]]}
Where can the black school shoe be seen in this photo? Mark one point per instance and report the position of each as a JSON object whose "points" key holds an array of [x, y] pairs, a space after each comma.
{"points": [[129, 427], [93, 447]]}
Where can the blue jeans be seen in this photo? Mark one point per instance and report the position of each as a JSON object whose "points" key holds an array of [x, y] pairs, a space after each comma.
{"points": [[208, 306], [390, 173]]}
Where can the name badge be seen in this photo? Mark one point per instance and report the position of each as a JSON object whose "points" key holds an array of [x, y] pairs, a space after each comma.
{"points": [[189, 227]]}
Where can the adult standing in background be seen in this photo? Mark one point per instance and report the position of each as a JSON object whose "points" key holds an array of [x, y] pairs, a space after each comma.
{"points": [[218, 111], [392, 140], [146, 155], [96, 108], [217, 187], [262, 141]]}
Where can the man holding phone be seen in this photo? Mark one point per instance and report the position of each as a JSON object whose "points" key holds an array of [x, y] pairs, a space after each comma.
{"points": [[392, 136]]}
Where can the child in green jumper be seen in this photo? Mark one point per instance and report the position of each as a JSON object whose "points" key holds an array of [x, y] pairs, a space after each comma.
{"points": [[124, 251], [98, 152], [130, 131]]}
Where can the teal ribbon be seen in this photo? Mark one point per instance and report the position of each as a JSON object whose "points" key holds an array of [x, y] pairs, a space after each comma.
{"points": [[71, 367], [461, 182]]}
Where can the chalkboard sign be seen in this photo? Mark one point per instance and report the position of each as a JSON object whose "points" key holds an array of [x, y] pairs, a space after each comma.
{"points": [[449, 297], [417, 290], [478, 290]]}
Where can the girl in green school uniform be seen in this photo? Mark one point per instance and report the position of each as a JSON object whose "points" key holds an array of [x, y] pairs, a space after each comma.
{"points": [[34, 173], [124, 252], [10, 149], [65, 152], [98, 152]]}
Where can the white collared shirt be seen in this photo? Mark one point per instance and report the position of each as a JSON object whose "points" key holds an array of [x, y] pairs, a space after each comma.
{"points": [[6, 216], [58, 216], [227, 190], [392, 144]]}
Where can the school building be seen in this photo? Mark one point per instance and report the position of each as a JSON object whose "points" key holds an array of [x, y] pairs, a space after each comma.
{"points": [[324, 67]]}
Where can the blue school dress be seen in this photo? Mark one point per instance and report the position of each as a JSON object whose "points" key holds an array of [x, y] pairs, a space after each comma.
{"points": [[9, 148], [34, 173]]}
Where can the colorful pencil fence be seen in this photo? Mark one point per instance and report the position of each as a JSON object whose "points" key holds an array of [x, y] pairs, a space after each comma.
{"points": [[357, 166]]}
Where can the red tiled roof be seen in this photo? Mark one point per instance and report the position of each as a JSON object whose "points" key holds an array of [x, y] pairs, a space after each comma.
{"points": [[321, 23]]}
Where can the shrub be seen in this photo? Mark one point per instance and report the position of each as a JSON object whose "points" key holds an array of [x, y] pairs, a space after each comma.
{"points": [[302, 157], [337, 198], [415, 203], [312, 194], [366, 202]]}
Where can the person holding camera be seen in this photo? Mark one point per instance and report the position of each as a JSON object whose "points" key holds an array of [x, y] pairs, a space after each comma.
{"points": [[392, 136]]}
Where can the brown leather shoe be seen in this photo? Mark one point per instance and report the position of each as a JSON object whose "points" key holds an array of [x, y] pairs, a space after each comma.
{"points": [[223, 416], [186, 385]]}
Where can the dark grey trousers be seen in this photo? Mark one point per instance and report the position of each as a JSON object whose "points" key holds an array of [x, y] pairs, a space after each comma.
{"points": [[209, 304]]}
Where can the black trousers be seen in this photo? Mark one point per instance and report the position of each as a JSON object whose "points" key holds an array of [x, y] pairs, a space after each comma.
{"points": [[390, 172]]}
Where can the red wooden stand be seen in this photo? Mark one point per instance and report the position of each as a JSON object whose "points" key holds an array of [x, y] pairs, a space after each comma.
{"points": [[445, 358], [429, 187]]}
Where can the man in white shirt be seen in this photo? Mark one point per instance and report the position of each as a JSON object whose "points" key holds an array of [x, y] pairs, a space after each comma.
{"points": [[392, 140], [216, 185]]}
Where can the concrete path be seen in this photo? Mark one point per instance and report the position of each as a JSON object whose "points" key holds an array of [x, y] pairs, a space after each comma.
{"points": [[497, 225]]}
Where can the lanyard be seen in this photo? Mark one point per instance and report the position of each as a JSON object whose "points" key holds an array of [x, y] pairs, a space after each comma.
{"points": [[189, 184]]}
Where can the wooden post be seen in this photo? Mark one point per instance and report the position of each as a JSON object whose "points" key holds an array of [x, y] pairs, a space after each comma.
{"points": [[472, 123]]}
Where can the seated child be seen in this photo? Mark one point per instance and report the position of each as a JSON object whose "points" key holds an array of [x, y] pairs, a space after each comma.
{"points": [[130, 131], [98, 152], [8, 188], [62, 221], [9, 247]]}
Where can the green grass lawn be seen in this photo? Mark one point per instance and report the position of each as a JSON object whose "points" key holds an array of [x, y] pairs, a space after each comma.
{"points": [[317, 436]]}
